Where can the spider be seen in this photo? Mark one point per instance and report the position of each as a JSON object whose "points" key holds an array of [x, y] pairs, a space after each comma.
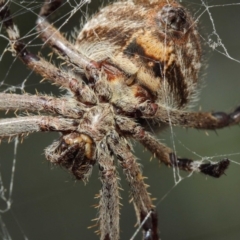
{"points": [[133, 64]]}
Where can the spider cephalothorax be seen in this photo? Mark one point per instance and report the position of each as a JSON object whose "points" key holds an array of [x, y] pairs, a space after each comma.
{"points": [[135, 62]]}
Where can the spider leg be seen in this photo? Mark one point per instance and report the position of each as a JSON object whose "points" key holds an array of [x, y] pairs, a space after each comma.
{"points": [[109, 195], [33, 103], [47, 70], [199, 120], [53, 37], [165, 154], [142, 201], [12, 127]]}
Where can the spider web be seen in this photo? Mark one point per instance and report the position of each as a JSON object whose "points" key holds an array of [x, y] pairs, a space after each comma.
{"points": [[39, 202]]}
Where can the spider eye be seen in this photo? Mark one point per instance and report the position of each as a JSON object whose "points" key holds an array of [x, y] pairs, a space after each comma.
{"points": [[174, 18]]}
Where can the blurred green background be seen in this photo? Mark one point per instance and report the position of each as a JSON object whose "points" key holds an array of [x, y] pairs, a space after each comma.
{"points": [[49, 204]]}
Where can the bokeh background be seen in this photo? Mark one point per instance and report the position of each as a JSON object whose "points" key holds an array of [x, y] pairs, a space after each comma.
{"points": [[49, 204]]}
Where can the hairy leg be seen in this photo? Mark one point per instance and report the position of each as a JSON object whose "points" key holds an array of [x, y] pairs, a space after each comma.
{"points": [[199, 120], [47, 70], [13, 127], [109, 195], [60, 45], [33, 103], [165, 154], [141, 198]]}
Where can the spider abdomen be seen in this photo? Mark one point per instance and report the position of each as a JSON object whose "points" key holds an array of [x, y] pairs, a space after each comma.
{"points": [[156, 45]]}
